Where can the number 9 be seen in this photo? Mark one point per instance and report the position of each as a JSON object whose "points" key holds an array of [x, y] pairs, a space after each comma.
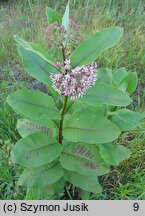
{"points": [[136, 206]]}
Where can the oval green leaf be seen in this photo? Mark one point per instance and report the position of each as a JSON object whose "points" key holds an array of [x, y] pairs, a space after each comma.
{"points": [[103, 93], [84, 159], [126, 119], [44, 175], [34, 105], [89, 128], [90, 49], [37, 62], [113, 154], [87, 183], [26, 127], [35, 150], [36, 66]]}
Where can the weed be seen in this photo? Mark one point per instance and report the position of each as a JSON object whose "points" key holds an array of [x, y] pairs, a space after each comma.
{"points": [[27, 18]]}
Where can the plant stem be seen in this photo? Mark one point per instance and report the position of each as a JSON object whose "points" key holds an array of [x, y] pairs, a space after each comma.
{"points": [[69, 106], [68, 193], [62, 119], [60, 138], [63, 53], [64, 57]]}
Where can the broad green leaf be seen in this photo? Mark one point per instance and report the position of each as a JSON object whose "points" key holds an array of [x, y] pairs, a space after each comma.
{"points": [[52, 16], [97, 110], [102, 109], [84, 159], [104, 75], [87, 183], [35, 150], [131, 80], [118, 75], [91, 48], [26, 127], [45, 192], [47, 56], [34, 105], [126, 119], [103, 93], [52, 189], [37, 62], [36, 66], [75, 106], [113, 154], [89, 128], [34, 48], [43, 175]]}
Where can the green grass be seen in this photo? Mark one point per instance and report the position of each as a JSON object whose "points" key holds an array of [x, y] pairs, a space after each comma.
{"points": [[27, 18]]}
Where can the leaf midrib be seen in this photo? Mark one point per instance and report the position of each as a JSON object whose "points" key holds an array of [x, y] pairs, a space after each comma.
{"points": [[41, 147], [80, 157], [40, 127], [39, 105], [87, 129]]}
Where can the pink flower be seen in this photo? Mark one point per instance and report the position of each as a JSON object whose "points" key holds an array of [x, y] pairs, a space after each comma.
{"points": [[75, 82], [67, 64], [58, 65]]}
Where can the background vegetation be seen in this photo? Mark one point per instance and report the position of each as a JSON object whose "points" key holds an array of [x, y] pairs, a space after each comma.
{"points": [[27, 18]]}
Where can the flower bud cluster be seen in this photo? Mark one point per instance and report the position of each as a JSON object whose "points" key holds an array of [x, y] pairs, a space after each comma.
{"points": [[55, 34]]}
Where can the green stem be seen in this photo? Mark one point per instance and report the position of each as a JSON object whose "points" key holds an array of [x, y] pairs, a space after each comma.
{"points": [[63, 54], [60, 137], [64, 57], [68, 193], [69, 106], [62, 119], [113, 110]]}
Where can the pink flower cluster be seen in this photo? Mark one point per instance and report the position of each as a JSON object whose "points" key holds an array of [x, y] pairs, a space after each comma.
{"points": [[75, 82]]}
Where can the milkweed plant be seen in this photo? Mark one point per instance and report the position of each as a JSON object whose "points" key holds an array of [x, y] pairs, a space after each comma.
{"points": [[69, 133]]}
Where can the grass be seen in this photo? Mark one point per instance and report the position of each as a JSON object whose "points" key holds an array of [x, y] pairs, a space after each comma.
{"points": [[27, 18]]}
